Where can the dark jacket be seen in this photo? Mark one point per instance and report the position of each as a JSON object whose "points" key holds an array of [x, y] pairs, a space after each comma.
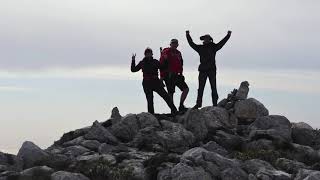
{"points": [[207, 52], [149, 68]]}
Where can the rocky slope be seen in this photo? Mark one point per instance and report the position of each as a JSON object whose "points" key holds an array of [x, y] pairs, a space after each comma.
{"points": [[238, 140]]}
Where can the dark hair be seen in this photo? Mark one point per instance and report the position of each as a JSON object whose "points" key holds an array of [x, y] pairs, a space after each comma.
{"points": [[148, 50]]}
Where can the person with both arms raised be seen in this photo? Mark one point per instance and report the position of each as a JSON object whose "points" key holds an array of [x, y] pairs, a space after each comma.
{"points": [[151, 81], [207, 68]]}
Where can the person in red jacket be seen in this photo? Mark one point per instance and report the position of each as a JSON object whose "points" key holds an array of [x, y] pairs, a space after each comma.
{"points": [[173, 74], [151, 82]]}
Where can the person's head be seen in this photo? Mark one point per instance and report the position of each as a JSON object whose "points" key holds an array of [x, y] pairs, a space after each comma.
{"points": [[148, 52], [174, 43], [206, 39]]}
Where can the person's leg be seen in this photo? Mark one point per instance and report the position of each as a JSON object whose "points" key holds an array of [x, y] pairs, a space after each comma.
{"points": [[184, 95], [162, 92], [202, 78], [149, 95], [182, 85], [213, 83], [169, 80]]}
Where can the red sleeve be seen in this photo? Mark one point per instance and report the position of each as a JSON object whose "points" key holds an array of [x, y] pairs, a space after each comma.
{"points": [[163, 71]]}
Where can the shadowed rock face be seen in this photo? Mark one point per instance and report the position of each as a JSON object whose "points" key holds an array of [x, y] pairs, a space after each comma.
{"points": [[238, 140]]}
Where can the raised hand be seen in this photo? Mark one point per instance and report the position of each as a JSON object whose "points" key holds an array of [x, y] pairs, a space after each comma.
{"points": [[229, 32], [134, 56], [187, 32]]}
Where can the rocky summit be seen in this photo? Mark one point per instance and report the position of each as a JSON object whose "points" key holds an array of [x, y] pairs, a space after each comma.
{"points": [[236, 140]]}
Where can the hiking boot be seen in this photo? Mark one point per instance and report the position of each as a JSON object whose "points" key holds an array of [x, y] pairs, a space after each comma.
{"points": [[197, 106], [182, 108], [174, 112]]}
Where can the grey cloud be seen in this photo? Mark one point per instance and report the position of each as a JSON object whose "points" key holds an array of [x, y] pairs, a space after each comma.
{"points": [[267, 34]]}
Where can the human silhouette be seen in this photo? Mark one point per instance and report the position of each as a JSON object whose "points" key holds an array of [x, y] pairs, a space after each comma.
{"points": [[207, 68], [151, 82], [173, 74]]}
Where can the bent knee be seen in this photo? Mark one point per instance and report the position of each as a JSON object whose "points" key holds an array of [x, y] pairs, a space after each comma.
{"points": [[186, 90]]}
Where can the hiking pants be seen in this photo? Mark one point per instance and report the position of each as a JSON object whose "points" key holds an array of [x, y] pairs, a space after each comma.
{"points": [[155, 85], [203, 75]]}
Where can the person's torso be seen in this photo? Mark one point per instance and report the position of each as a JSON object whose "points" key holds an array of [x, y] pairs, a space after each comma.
{"points": [[174, 60], [150, 68], [207, 57]]}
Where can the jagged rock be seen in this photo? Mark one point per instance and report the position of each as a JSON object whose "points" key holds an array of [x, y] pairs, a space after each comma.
{"points": [[136, 167], [72, 135], [252, 177], [214, 147], [273, 127], [252, 166], [182, 171], [107, 148], [147, 120], [164, 172], [63, 175], [75, 151], [91, 144], [58, 161], [307, 137], [234, 173], [98, 132], [9, 175], [228, 141], [174, 137], [95, 157], [305, 174], [290, 166], [126, 129], [301, 125], [37, 173], [10, 162], [273, 175], [74, 142], [199, 156], [3, 168], [305, 154], [147, 139], [249, 109], [31, 154], [115, 115], [260, 144], [217, 118], [134, 153], [243, 91], [243, 130], [194, 121], [130, 125], [156, 164]]}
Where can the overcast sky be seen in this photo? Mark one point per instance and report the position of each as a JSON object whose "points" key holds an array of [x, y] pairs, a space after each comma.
{"points": [[54, 33], [65, 63]]}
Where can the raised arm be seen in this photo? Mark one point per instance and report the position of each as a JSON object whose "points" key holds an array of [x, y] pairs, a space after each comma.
{"points": [[223, 41], [191, 43], [134, 67]]}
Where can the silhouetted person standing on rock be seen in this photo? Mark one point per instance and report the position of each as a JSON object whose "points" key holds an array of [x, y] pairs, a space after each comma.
{"points": [[207, 68], [151, 81], [173, 74]]}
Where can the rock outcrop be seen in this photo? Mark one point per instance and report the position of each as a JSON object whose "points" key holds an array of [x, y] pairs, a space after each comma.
{"points": [[237, 140]]}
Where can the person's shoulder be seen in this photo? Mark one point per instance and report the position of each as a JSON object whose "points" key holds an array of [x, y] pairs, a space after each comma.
{"points": [[166, 50]]}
